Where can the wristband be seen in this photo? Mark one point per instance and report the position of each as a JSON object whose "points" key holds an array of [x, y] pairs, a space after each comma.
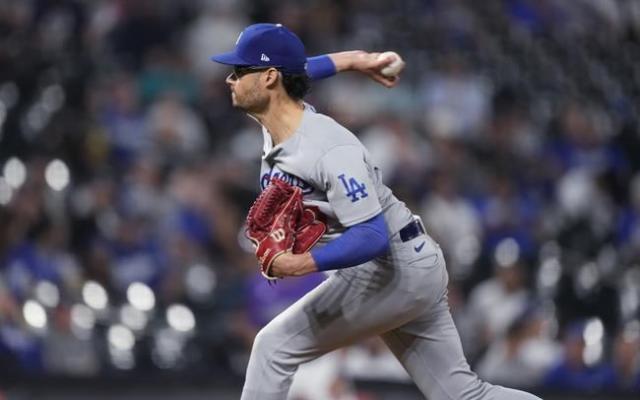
{"points": [[320, 67]]}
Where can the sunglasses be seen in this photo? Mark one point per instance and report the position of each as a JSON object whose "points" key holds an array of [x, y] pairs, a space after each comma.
{"points": [[238, 72]]}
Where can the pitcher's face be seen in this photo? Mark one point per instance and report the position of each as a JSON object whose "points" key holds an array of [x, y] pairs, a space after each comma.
{"points": [[247, 92]]}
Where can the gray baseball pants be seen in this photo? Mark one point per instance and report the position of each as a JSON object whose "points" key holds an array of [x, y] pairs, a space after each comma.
{"points": [[403, 299]]}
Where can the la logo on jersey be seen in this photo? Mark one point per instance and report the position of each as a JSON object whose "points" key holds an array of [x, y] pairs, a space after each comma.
{"points": [[353, 188]]}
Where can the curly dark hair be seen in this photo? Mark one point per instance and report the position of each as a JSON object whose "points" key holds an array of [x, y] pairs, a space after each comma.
{"points": [[296, 85]]}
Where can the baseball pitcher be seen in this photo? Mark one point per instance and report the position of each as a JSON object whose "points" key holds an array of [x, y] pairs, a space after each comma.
{"points": [[320, 183]]}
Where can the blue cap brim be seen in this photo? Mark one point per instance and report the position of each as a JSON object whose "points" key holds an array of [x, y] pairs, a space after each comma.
{"points": [[229, 58]]}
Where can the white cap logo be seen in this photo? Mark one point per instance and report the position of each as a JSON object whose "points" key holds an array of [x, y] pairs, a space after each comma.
{"points": [[264, 57]]}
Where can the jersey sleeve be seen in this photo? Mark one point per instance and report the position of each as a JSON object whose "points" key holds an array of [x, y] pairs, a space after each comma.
{"points": [[346, 178]]}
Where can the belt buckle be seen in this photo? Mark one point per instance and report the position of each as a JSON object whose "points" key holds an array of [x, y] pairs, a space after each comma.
{"points": [[413, 229]]}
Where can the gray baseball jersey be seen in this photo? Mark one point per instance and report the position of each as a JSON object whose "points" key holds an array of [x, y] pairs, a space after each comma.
{"points": [[402, 297], [335, 172]]}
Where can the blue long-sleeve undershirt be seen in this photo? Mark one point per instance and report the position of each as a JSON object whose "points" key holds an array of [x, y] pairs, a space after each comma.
{"points": [[358, 244]]}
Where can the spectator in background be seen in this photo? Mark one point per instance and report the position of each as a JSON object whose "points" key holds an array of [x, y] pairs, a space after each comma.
{"points": [[20, 349], [456, 101], [397, 150], [578, 370], [142, 190], [124, 121], [523, 354], [222, 20], [91, 210], [628, 224], [42, 256], [132, 252], [512, 141], [178, 134], [66, 354], [453, 222], [507, 211], [140, 27], [201, 208], [626, 357], [9, 313], [496, 303], [582, 141], [354, 102], [166, 72]]}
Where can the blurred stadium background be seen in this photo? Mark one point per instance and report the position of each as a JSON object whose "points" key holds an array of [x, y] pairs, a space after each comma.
{"points": [[125, 176]]}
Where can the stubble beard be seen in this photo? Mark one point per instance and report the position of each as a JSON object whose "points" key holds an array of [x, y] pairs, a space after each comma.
{"points": [[252, 102]]}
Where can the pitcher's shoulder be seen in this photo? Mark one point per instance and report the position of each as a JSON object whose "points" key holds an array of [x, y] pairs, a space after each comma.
{"points": [[324, 132]]}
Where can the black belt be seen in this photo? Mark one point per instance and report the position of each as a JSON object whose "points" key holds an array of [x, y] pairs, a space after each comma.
{"points": [[412, 230]]}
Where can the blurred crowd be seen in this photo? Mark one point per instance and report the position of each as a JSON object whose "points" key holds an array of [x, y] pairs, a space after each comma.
{"points": [[125, 176]]}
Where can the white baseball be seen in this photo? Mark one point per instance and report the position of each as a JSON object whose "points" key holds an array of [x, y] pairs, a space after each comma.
{"points": [[395, 66]]}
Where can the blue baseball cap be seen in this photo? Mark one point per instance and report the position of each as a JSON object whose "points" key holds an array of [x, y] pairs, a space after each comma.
{"points": [[267, 45]]}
